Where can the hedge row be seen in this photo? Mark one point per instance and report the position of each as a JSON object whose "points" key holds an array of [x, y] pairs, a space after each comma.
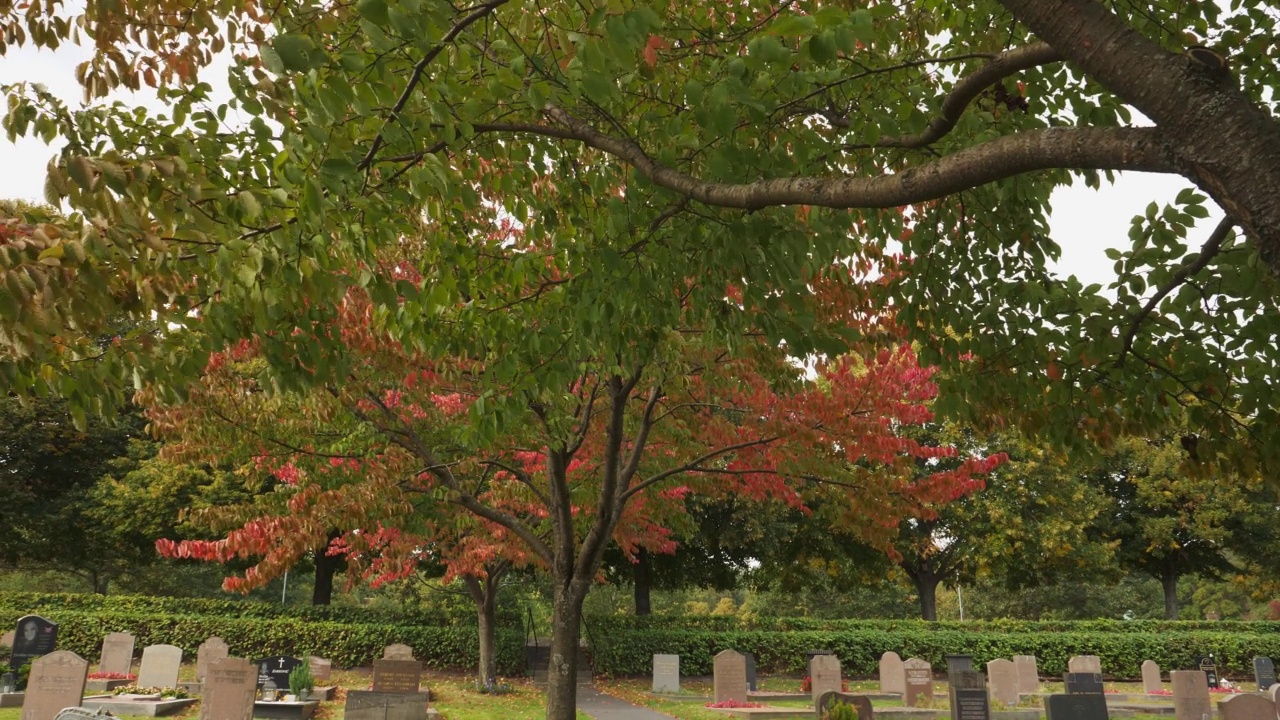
{"points": [[346, 644], [622, 652], [731, 623], [40, 603]]}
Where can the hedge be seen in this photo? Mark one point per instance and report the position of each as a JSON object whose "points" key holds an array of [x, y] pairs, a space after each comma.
{"points": [[619, 651], [40, 603], [346, 644], [731, 623]]}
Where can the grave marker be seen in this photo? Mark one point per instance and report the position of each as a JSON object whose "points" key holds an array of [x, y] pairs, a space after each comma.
{"points": [[1028, 673], [57, 681], [6, 640], [397, 651], [666, 673], [1082, 683], [1003, 679], [751, 671], [229, 687], [117, 653], [1264, 672], [321, 669], [159, 667], [397, 676], [369, 705], [919, 681], [1247, 706], [211, 650], [1151, 677], [277, 669], [1085, 664], [1209, 667], [34, 636], [957, 663], [730, 676], [825, 676], [1076, 707], [1190, 695], [892, 674], [969, 700]]}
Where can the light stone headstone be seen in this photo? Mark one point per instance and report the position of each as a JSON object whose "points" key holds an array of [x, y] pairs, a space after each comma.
{"points": [[1028, 674], [825, 675], [213, 648], [1151, 677], [230, 686], [1085, 664], [56, 682], [321, 669], [919, 681], [397, 676], [730, 676], [666, 673], [1190, 695], [1272, 692], [160, 665], [1002, 678], [1247, 706], [117, 653], [397, 651], [892, 676]]}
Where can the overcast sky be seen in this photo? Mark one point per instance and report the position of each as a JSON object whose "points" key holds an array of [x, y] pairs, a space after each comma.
{"points": [[1085, 222]]}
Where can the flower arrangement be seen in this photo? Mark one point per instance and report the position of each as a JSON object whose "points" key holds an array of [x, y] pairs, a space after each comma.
{"points": [[165, 693], [1161, 692], [112, 676]]}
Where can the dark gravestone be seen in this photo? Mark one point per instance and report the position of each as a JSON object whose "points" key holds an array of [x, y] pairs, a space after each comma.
{"points": [[1082, 683], [397, 676], [277, 669], [369, 705], [1076, 707], [1264, 671], [33, 637], [751, 671], [861, 703], [956, 663], [1210, 668], [970, 704]]}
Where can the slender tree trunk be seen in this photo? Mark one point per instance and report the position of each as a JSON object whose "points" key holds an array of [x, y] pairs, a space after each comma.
{"points": [[326, 568], [1170, 583], [642, 583], [562, 671], [486, 617]]}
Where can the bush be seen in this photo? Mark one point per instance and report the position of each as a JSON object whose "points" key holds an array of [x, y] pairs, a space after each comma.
{"points": [[618, 650], [732, 623], [346, 644]]}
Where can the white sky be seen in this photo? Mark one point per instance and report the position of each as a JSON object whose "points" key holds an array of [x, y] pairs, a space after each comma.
{"points": [[1085, 222]]}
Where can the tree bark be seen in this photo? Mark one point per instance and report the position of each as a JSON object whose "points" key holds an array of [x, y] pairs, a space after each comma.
{"points": [[484, 593], [640, 574], [1169, 581], [1219, 138], [927, 588], [326, 568], [562, 671]]}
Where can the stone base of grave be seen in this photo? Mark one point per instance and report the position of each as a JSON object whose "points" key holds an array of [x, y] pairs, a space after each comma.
{"points": [[766, 713], [1019, 714], [145, 708], [765, 696], [325, 693], [8, 700], [285, 710], [104, 686], [1130, 709], [684, 697], [194, 689], [1136, 697], [909, 713]]}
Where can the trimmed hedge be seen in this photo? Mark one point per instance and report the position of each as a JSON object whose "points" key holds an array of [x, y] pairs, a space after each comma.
{"points": [[346, 644], [39, 603], [619, 651], [730, 623]]}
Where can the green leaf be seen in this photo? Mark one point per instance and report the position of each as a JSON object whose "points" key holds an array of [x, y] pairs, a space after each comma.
{"points": [[375, 11], [294, 51]]}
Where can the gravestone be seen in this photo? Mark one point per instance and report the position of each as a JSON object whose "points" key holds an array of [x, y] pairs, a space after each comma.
{"points": [[159, 667], [809, 655], [1209, 667], [276, 669], [825, 675], [1082, 683], [1028, 673], [1271, 693], [1075, 707], [751, 671], [1190, 695], [860, 703], [666, 673], [117, 653], [1247, 706], [229, 687], [369, 705], [730, 676], [1151, 677], [321, 669], [212, 649], [919, 682], [6, 640], [397, 651], [34, 636], [969, 699], [57, 681], [956, 663], [397, 676], [1264, 672], [892, 674], [1085, 664], [1003, 679]]}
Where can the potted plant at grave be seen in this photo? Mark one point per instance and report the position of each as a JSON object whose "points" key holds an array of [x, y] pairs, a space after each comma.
{"points": [[300, 681]]}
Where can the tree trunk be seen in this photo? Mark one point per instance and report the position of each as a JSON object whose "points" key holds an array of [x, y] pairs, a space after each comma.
{"points": [[1170, 583], [562, 671], [642, 583], [927, 588], [487, 618], [326, 568]]}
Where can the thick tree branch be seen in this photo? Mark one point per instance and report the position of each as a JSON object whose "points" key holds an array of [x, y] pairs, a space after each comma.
{"points": [[641, 440], [967, 89], [1210, 249], [607, 508], [1139, 149]]}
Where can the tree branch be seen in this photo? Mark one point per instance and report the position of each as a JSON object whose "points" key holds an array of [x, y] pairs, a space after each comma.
{"points": [[694, 464]]}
